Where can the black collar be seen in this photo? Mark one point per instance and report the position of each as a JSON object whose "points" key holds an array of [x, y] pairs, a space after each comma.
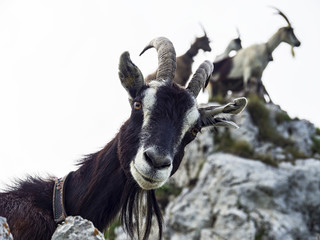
{"points": [[59, 211]]}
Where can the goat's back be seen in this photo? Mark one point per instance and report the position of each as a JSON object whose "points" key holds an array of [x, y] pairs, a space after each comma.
{"points": [[29, 213]]}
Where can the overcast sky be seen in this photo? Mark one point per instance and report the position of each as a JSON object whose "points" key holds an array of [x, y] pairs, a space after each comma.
{"points": [[60, 96]]}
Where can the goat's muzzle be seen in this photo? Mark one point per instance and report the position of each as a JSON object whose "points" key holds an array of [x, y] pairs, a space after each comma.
{"points": [[157, 160], [151, 168]]}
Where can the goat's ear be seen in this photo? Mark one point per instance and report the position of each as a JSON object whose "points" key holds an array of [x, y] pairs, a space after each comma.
{"points": [[130, 76], [217, 115]]}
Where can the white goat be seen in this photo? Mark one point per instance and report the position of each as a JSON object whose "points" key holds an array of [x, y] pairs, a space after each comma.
{"points": [[246, 67]]}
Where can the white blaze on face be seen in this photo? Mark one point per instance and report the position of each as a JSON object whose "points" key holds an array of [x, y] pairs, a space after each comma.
{"points": [[190, 120], [148, 104], [149, 100], [142, 172], [145, 175]]}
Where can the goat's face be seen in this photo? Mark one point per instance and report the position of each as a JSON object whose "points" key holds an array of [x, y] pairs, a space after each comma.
{"points": [[286, 33], [235, 44], [203, 43], [169, 119], [167, 116], [288, 36]]}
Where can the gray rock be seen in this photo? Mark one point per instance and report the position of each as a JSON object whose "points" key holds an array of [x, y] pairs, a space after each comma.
{"points": [[228, 197], [237, 198], [77, 228], [300, 132], [5, 230], [247, 131], [195, 155]]}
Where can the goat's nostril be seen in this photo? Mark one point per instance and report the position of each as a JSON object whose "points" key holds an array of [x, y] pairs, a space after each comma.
{"points": [[148, 158], [165, 165], [165, 162], [156, 161]]}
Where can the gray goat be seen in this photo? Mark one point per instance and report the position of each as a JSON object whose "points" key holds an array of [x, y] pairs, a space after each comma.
{"points": [[244, 70], [234, 45]]}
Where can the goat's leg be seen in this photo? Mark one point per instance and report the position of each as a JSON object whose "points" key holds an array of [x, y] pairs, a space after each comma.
{"points": [[258, 89], [265, 92], [262, 91], [246, 79]]}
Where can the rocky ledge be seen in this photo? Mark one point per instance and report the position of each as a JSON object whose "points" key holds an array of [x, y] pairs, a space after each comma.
{"points": [[238, 198]]}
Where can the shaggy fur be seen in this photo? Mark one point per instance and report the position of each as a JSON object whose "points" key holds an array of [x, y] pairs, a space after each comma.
{"points": [[102, 186], [164, 118]]}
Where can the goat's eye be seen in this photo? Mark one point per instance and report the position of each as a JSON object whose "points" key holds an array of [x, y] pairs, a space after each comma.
{"points": [[137, 105], [194, 131]]}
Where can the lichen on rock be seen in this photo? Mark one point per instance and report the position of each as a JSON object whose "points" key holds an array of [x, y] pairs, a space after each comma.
{"points": [[77, 228]]}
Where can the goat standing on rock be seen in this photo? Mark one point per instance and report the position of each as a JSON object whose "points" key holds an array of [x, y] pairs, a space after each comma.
{"points": [[246, 67], [122, 176], [234, 45], [185, 61]]}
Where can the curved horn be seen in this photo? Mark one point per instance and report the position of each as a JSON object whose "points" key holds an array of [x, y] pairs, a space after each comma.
{"points": [[166, 58], [205, 33], [238, 32], [200, 77], [282, 14]]}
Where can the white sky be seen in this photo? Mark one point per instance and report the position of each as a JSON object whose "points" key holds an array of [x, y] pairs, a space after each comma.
{"points": [[60, 96]]}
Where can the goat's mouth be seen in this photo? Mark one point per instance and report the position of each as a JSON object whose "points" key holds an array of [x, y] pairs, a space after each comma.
{"points": [[149, 179], [144, 179]]}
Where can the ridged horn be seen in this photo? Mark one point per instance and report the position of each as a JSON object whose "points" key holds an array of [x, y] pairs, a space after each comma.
{"points": [[199, 79], [166, 58], [282, 14]]}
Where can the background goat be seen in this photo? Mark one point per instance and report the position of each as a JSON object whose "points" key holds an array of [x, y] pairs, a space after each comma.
{"points": [[146, 151], [234, 45], [185, 61], [248, 64]]}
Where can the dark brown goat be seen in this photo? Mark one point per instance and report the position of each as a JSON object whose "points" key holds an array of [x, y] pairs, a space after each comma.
{"points": [[147, 150], [185, 61]]}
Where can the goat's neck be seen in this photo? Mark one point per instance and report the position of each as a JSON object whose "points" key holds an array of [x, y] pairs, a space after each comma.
{"points": [[225, 54], [273, 42], [227, 50], [95, 190], [192, 52]]}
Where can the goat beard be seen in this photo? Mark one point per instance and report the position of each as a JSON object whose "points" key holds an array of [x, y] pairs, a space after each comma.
{"points": [[292, 52], [138, 208]]}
